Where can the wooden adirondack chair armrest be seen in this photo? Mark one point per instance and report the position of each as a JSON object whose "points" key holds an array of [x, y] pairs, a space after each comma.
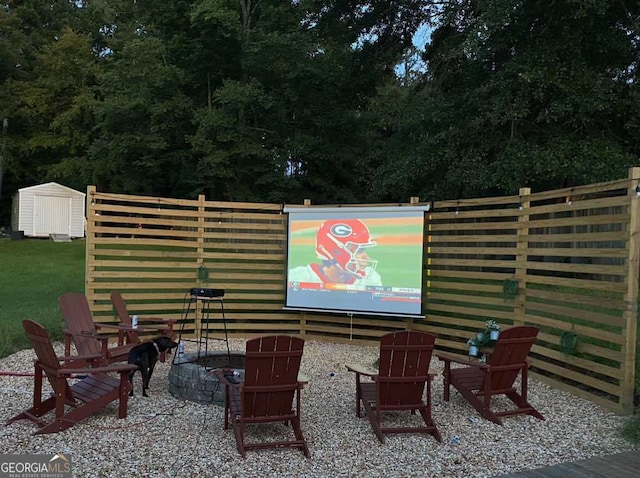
{"points": [[155, 328], [127, 328], [71, 358], [361, 370], [157, 320], [85, 333], [447, 357], [158, 329], [104, 340], [506, 368], [119, 368], [151, 330], [69, 333]]}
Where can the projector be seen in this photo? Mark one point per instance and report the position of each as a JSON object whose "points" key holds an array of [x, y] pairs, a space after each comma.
{"points": [[207, 293]]}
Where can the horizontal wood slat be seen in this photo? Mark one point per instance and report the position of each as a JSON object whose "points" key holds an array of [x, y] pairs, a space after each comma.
{"points": [[568, 251]]}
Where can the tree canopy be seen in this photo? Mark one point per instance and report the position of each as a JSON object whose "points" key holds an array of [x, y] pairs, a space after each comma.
{"points": [[269, 100]]}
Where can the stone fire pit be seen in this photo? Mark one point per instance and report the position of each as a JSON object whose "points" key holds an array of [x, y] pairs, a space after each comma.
{"points": [[191, 376]]}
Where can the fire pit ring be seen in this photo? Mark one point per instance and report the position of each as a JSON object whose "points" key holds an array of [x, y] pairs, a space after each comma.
{"points": [[191, 376]]}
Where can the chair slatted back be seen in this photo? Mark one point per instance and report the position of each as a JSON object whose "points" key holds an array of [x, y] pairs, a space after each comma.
{"points": [[512, 348], [271, 375], [120, 306], [46, 355], [404, 367], [77, 316]]}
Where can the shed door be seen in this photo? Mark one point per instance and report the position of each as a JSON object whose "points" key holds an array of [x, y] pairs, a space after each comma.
{"points": [[51, 215]]}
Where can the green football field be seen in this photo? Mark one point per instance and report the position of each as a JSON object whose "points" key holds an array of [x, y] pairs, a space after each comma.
{"points": [[399, 253]]}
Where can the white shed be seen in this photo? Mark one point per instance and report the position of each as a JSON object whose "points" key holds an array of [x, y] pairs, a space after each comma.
{"points": [[47, 209]]}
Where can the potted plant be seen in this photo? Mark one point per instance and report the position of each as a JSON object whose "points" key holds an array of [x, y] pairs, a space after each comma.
{"points": [[493, 330], [473, 347]]}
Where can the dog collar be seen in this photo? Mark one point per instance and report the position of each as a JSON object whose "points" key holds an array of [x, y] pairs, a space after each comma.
{"points": [[156, 346]]}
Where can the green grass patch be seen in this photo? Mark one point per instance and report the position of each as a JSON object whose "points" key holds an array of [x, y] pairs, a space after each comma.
{"points": [[34, 273]]}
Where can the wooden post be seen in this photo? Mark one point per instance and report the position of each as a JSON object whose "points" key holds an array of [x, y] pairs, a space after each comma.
{"points": [[427, 232], [521, 256], [90, 228], [303, 315], [199, 262], [201, 223], [303, 325], [409, 322], [631, 296]]}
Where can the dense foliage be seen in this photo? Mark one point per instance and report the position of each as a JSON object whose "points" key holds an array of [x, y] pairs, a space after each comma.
{"points": [[268, 100]]}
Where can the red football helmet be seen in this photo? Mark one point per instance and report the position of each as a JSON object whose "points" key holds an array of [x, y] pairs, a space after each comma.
{"points": [[340, 241]]}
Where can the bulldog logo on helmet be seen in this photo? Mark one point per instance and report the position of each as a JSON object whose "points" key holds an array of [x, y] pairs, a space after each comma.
{"points": [[341, 230], [343, 243]]}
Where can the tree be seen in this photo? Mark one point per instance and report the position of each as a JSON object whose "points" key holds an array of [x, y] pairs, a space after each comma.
{"points": [[286, 126], [45, 94], [59, 107], [544, 91], [143, 119]]}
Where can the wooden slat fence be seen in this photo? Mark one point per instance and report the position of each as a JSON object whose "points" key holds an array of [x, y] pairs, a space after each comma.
{"points": [[573, 254]]}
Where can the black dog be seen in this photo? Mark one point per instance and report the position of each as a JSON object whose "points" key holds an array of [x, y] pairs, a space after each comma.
{"points": [[145, 356]]}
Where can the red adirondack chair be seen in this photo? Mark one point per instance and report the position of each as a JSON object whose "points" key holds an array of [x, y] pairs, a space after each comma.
{"points": [[270, 389], [83, 331], [85, 397], [155, 325], [399, 383], [479, 382]]}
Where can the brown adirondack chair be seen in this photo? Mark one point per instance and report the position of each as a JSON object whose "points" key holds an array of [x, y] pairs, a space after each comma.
{"points": [[82, 399], [270, 388], [479, 382], [399, 383], [154, 325], [83, 331]]}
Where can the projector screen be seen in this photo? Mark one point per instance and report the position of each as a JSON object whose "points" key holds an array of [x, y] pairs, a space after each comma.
{"points": [[355, 259]]}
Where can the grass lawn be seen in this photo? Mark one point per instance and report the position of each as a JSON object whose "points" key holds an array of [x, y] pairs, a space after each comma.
{"points": [[34, 272]]}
